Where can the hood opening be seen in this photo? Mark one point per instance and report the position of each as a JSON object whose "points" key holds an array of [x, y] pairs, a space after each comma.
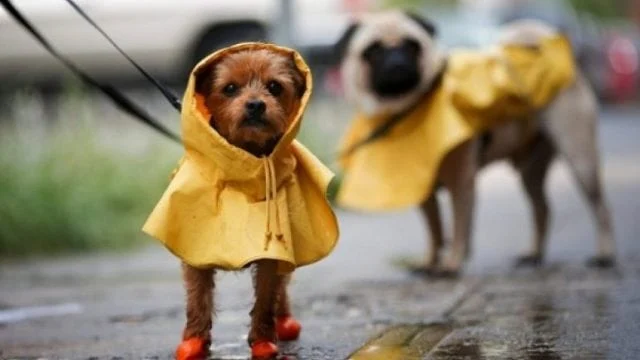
{"points": [[201, 81]]}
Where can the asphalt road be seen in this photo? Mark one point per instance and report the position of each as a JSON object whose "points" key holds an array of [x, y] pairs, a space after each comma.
{"points": [[130, 305]]}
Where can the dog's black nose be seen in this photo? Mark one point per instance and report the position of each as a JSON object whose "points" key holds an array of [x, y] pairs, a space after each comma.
{"points": [[255, 107], [396, 61]]}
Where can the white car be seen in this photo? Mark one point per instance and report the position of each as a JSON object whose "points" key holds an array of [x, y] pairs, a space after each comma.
{"points": [[166, 37]]}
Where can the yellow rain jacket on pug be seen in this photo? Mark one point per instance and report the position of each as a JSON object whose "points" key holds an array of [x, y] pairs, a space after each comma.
{"points": [[226, 208], [476, 92]]}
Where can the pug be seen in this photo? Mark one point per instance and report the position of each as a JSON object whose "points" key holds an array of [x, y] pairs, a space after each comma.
{"points": [[391, 61]]}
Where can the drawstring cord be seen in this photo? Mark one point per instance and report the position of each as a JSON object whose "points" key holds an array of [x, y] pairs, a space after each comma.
{"points": [[271, 193], [267, 184], [274, 189]]}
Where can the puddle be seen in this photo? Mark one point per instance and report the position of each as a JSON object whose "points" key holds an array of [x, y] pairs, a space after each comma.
{"points": [[403, 342]]}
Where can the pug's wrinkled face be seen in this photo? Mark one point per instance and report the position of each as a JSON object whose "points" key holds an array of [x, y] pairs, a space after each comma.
{"points": [[394, 69], [388, 60]]}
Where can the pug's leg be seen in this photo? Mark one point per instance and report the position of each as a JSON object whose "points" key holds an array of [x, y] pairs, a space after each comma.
{"points": [[458, 175], [287, 327], [572, 123], [199, 284], [262, 335], [533, 168], [583, 162], [430, 210]]}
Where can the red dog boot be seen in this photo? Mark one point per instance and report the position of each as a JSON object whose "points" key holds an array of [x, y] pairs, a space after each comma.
{"points": [[263, 349], [192, 349], [287, 328]]}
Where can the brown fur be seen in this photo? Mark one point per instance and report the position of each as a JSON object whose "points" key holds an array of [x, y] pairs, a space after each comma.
{"points": [[199, 285], [250, 71]]}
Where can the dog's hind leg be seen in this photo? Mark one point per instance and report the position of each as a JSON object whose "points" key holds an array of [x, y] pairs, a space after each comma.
{"points": [[458, 173], [571, 122], [534, 167], [585, 168]]}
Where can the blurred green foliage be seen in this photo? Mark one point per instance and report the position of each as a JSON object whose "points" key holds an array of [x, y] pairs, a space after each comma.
{"points": [[74, 184], [65, 190], [410, 4], [599, 8]]}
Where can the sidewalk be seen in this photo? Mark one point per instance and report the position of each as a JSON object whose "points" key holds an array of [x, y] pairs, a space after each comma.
{"points": [[559, 312], [562, 312]]}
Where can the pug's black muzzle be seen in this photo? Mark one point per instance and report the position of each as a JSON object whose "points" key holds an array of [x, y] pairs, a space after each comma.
{"points": [[395, 73]]}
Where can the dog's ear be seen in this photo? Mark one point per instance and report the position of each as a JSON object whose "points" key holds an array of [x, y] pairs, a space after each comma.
{"points": [[298, 80], [425, 23], [204, 80], [342, 45]]}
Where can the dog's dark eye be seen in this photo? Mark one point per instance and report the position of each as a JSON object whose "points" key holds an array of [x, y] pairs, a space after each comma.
{"points": [[372, 50], [230, 89], [412, 45], [274, 87]]}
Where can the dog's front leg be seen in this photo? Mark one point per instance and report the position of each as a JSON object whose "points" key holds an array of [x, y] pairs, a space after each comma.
{"points": [[463, 201], [262, 336], [431, 212], [287, 327], [458, 175], [199, 284]]}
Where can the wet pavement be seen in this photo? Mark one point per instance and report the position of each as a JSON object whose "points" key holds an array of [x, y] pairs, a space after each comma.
{"points": [[358, 303]]}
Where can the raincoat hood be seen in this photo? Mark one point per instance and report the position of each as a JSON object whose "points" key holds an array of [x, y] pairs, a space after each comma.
{"points": [[200, 137], [226, 207], [478, 90]]}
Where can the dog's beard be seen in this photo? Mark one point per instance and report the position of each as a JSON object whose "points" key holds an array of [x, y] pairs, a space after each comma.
{"points": [[263, 149]]}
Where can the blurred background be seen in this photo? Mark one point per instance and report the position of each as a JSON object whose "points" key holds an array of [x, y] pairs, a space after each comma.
{"points": [[78, 178], [76, 174]]}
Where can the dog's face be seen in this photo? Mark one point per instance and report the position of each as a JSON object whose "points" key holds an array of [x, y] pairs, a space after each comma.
{"points": [[252, 96], [388, 59], [393, 68]]}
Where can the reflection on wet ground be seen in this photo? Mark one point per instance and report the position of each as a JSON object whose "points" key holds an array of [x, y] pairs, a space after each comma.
{"points": [[403, 342], [547, 315]]}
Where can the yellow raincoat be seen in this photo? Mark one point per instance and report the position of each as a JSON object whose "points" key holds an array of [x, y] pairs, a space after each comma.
{"points": [[477, 91], [226, 208]]}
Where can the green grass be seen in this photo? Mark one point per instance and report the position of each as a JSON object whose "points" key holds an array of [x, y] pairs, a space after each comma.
{"points": [[63, 190], [88, 180]]}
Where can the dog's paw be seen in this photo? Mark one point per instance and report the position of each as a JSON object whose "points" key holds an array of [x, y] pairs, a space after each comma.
{"points": [[602, 261], [414, 266], [287, 328], [435, 272], [445, 273], [530, 260], [193, 349], [263, 350], [422, 270], [450, 268]]}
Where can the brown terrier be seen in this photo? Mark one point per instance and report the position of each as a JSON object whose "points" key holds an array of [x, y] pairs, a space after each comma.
{"points": [[250, 95]]}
